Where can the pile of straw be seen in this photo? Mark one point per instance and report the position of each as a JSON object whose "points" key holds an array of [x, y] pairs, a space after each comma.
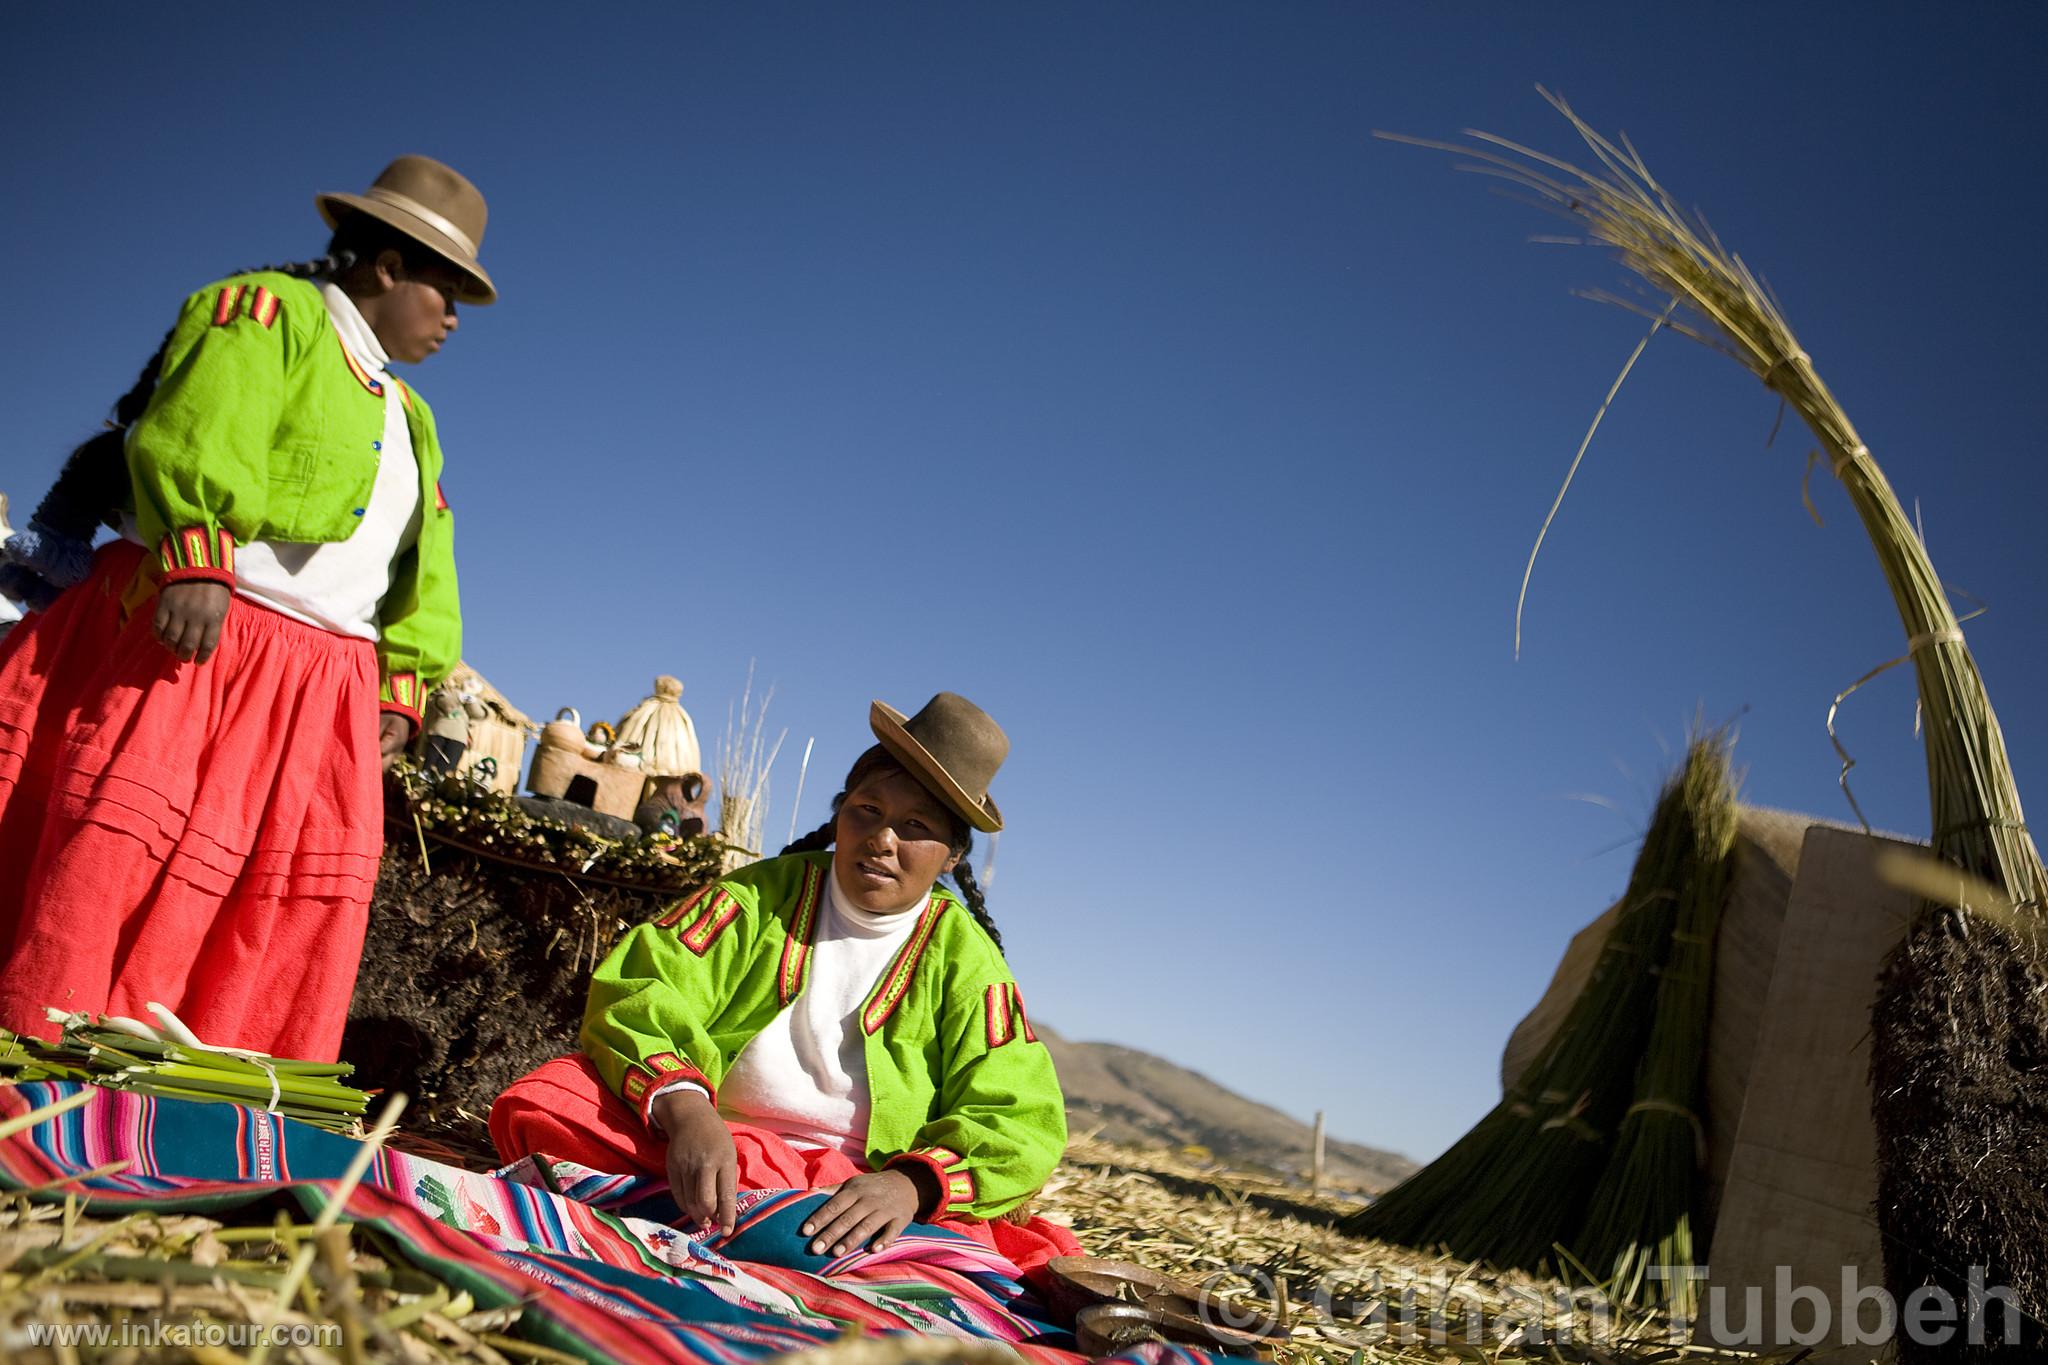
{"points": [[1959, 1073], [1545, 1169], [1347, 1300]]}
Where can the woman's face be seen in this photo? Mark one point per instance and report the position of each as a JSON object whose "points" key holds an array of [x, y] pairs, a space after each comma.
{"points": [[416, 311], [890, 844]]}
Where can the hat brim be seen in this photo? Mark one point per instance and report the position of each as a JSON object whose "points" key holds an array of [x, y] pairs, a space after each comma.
{"points": [[888, 725], [477, 288]]}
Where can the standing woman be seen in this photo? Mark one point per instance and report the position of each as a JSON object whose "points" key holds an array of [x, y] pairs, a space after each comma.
{"points": [[191, 738]]}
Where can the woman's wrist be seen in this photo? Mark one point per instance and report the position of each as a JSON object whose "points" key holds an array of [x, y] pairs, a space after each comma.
{"points": [[675, 1107], [924, 1182]]}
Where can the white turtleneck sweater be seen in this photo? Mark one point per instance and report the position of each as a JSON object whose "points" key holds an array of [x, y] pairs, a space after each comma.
{"points": [[805, 1076], [341, 586]]}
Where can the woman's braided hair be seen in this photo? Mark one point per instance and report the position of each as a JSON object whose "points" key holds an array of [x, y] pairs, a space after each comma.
{"points": [[878, 762]]}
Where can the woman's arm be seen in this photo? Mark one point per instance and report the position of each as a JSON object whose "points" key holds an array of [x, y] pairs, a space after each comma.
{"points": [[652, 1000], [199, 456], [647, 1024], [1002, 1121]]}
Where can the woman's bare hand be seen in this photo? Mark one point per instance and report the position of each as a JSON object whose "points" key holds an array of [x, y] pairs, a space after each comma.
{"points": [[866, 1211], [188, 617], [703, 1168], [394, 733]]}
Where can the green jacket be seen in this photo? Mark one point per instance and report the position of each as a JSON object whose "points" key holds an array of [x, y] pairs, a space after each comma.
{"points": [[957, 1080], [262, 427]]}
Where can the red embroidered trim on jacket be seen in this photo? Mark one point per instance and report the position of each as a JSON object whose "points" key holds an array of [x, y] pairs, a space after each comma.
{"points": [[1004, 1006], [362, 375], [1017, 999], [683, 908], [1000, 1027], [796, 949], [193, 552], [643, 1080], [896, 984], [718, 912]]}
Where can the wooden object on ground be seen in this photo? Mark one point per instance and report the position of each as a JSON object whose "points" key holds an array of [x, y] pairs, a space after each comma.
{"points": [[1802, 1173]]}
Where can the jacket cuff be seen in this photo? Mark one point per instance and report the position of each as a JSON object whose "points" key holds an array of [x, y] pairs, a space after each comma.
{"points": [[197, 554], [956, 1183], [400, 693], [645, 1080]]}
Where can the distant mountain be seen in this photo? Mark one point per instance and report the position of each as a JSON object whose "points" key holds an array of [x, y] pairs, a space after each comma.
{"points": [[1135, 1098]]}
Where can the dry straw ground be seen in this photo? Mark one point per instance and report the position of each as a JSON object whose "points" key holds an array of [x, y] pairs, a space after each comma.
{"points": [[1346, 1299]]}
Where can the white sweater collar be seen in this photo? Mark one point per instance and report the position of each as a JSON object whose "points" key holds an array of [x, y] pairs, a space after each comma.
{"points": [[356, 332]]}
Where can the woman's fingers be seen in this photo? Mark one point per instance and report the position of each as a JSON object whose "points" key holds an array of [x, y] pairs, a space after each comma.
{"points": [[190, 633], [728, 1193], [209, 638], [836, 1218], [863, 1231], [704, 1193]]}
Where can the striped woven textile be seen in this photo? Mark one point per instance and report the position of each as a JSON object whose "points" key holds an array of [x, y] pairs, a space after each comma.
{"points": [[599, 1269]]}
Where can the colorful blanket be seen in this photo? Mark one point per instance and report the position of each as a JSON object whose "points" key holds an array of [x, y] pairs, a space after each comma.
{"points": [[594, 1259]]}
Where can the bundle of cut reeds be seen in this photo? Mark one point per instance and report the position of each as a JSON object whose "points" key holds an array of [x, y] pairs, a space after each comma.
{"points": [[1961, 1112], [1640, 1223], [1519, 1184], [127, 1055]]}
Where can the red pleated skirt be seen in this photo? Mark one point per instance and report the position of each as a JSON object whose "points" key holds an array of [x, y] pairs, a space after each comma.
{"points": [[205, 836], [562, 1109]]}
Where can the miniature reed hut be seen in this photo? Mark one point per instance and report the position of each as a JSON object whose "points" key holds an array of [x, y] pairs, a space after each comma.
{"points": [[499, 736]]}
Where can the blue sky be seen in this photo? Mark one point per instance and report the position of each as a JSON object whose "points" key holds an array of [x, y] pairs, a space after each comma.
{"points": [[1094, 361]]}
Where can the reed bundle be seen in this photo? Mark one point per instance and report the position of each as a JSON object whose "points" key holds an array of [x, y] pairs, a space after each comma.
{"points": [[98, 1053], [1640, 1223], [1961, 1111], [1520, 1184]]}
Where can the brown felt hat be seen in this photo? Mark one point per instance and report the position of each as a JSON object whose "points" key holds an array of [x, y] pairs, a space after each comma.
{"points": [[432, 204], [953, 747]]}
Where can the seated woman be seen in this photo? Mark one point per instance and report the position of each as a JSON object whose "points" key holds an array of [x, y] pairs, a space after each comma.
{"points": [[827, 1020]]}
